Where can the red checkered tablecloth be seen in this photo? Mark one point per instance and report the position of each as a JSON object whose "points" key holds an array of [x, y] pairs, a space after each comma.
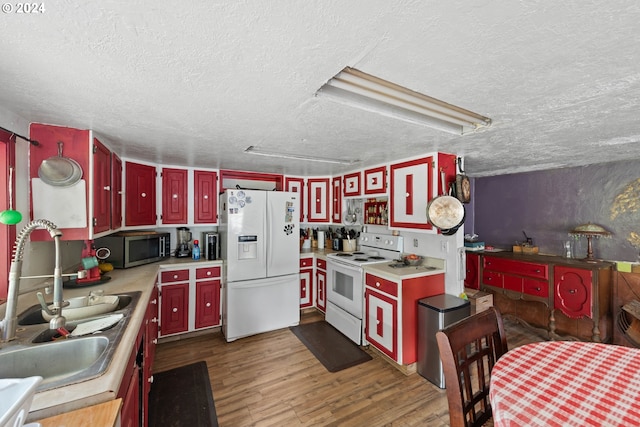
{"points": [[567, 383]]}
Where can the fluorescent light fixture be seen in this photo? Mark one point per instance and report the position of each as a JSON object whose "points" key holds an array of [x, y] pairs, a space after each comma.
{"points": [[282, 155], [361, 90]]}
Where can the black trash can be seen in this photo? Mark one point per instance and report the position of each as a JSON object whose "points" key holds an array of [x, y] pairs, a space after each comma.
{"points": [[434, 314]]}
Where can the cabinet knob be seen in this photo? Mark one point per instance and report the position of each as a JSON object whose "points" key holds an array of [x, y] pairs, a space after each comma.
{"points": [[407, 195], [175, 196], [572, 291], [304, 288], [175, 310], [538, 289], [106, 187], [317, 200], [488, 279], [154, 320], [208, 273], [153, 301], [175, 276], [155, 340], [537, 271], [150, 379], [208, 304], [378, 284], [205, 197], [143, 195]]}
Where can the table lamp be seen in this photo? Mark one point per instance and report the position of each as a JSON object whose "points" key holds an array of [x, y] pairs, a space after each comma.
{"points": [[590, 231]]}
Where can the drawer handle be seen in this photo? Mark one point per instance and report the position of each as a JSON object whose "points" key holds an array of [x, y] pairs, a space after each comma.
{"points": [[155, 340], [538, 289], [175, 310], [537, 271]]}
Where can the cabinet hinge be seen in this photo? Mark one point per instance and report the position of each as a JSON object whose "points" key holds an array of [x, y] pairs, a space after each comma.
{"points": [[95, 148], [95, 221]]}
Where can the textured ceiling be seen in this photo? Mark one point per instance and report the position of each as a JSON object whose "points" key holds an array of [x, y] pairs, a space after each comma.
{"points": [[195, 83]]}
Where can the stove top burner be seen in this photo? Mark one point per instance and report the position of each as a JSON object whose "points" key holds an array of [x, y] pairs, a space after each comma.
{"points": [[376, 257], [358, 253], [343, 254], [361, 259]]}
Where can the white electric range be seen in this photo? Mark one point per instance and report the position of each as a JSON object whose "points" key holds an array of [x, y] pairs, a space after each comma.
{"points": [[345, 281]]}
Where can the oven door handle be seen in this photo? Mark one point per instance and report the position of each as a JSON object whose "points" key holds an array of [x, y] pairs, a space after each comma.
{"points": [[340, 264]]}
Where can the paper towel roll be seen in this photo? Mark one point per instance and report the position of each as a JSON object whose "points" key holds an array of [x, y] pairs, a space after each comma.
{"points": [[320, 239]]}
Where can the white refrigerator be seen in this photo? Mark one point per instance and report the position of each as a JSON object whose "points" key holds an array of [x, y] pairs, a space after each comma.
{"points": [[260, 243]]}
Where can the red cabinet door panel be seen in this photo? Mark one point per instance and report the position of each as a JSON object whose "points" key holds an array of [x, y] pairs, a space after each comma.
{"points": [[205, 197], [573, 291], [140, 194], [352, 184], [101, 187], [174, 310], [116, 192], [207, 303], [375, 180], [174, 196], [336, 205], [296, 185]]}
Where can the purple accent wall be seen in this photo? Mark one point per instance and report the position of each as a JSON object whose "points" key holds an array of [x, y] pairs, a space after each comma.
{"points": [[547, 204]]}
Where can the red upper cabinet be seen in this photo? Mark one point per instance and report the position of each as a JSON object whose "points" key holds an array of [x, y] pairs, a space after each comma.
{"points": [[79, 210], [116, 191], [336, 205], [296, 185], [411, 191], [352, 184], [101, 187], [375, 180], [318, 200], [140, 194], [174, 196], [205, 194]]}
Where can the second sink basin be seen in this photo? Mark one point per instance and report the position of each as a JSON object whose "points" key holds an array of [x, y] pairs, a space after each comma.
{"points": [[33, 315], [58, 363]]}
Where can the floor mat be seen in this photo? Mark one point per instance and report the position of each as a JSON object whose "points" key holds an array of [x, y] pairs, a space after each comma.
{"points": [[182, 397], [335, 351]]}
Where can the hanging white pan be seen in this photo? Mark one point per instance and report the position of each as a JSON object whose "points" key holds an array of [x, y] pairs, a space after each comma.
{"points": [[60, 171], [445, 212]]}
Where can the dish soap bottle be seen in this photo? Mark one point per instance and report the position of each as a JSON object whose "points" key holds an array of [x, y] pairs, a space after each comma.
{"points": [[195, 252]]}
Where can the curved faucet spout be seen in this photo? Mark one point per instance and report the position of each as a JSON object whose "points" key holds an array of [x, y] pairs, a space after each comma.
{"points": [[10, 321]]}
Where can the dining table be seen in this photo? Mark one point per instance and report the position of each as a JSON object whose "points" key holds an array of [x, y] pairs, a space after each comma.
{"points": [[566, 383]]}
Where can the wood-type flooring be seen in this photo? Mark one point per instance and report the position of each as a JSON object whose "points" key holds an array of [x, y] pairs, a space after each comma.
{"points": [[272, 379]]}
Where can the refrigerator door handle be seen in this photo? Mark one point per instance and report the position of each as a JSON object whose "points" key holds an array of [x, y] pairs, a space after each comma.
{"points": [[268, 225]]}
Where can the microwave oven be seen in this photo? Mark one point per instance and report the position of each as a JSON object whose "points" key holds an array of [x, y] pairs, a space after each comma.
{"points": [[133, 248]]}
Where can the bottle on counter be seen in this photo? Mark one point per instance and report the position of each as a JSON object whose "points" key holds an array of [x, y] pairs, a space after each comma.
{"points": [[195, 251]]}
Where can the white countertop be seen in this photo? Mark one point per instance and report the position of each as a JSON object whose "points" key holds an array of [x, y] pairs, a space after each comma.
{"points": [[384, 269], [103, 388]]}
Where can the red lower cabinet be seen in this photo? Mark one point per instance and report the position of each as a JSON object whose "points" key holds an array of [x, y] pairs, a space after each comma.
{"points": [[174, 309], [391, 312], [207, 303]]}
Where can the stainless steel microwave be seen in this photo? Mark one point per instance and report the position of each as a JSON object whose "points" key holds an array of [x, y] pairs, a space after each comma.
{"points": [[133, 248]]}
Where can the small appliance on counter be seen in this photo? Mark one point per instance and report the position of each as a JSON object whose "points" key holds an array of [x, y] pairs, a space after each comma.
{"points": [[211, 245], [183, 250], [133, 248]]}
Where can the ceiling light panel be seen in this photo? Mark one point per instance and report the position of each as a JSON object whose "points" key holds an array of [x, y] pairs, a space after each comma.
{"points": [[283, 155], [361, 90]]}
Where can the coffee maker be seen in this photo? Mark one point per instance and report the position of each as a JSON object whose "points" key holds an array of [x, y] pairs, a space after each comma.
{"points": [[183, 249]]}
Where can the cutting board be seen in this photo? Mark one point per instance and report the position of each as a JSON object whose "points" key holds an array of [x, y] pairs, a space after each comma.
{"points": [[66, 207]]}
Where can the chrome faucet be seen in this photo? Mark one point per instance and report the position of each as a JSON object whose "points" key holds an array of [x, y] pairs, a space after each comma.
{"points": [[10, 321]]}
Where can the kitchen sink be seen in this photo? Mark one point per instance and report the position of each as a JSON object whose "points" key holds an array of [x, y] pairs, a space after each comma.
{"points": [[61, 361], [58, 363], [33, 315]]}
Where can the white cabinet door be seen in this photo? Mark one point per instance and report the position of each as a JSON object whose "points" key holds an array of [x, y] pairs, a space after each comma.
{"points": [[381, 322], [411, 184]]}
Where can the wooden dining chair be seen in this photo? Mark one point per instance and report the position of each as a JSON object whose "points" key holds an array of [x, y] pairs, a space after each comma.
{"points": [[468, 350]]}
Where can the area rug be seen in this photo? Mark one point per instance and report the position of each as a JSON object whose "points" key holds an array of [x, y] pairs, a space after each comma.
{"points": [[335, 351], [182, 397]]}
